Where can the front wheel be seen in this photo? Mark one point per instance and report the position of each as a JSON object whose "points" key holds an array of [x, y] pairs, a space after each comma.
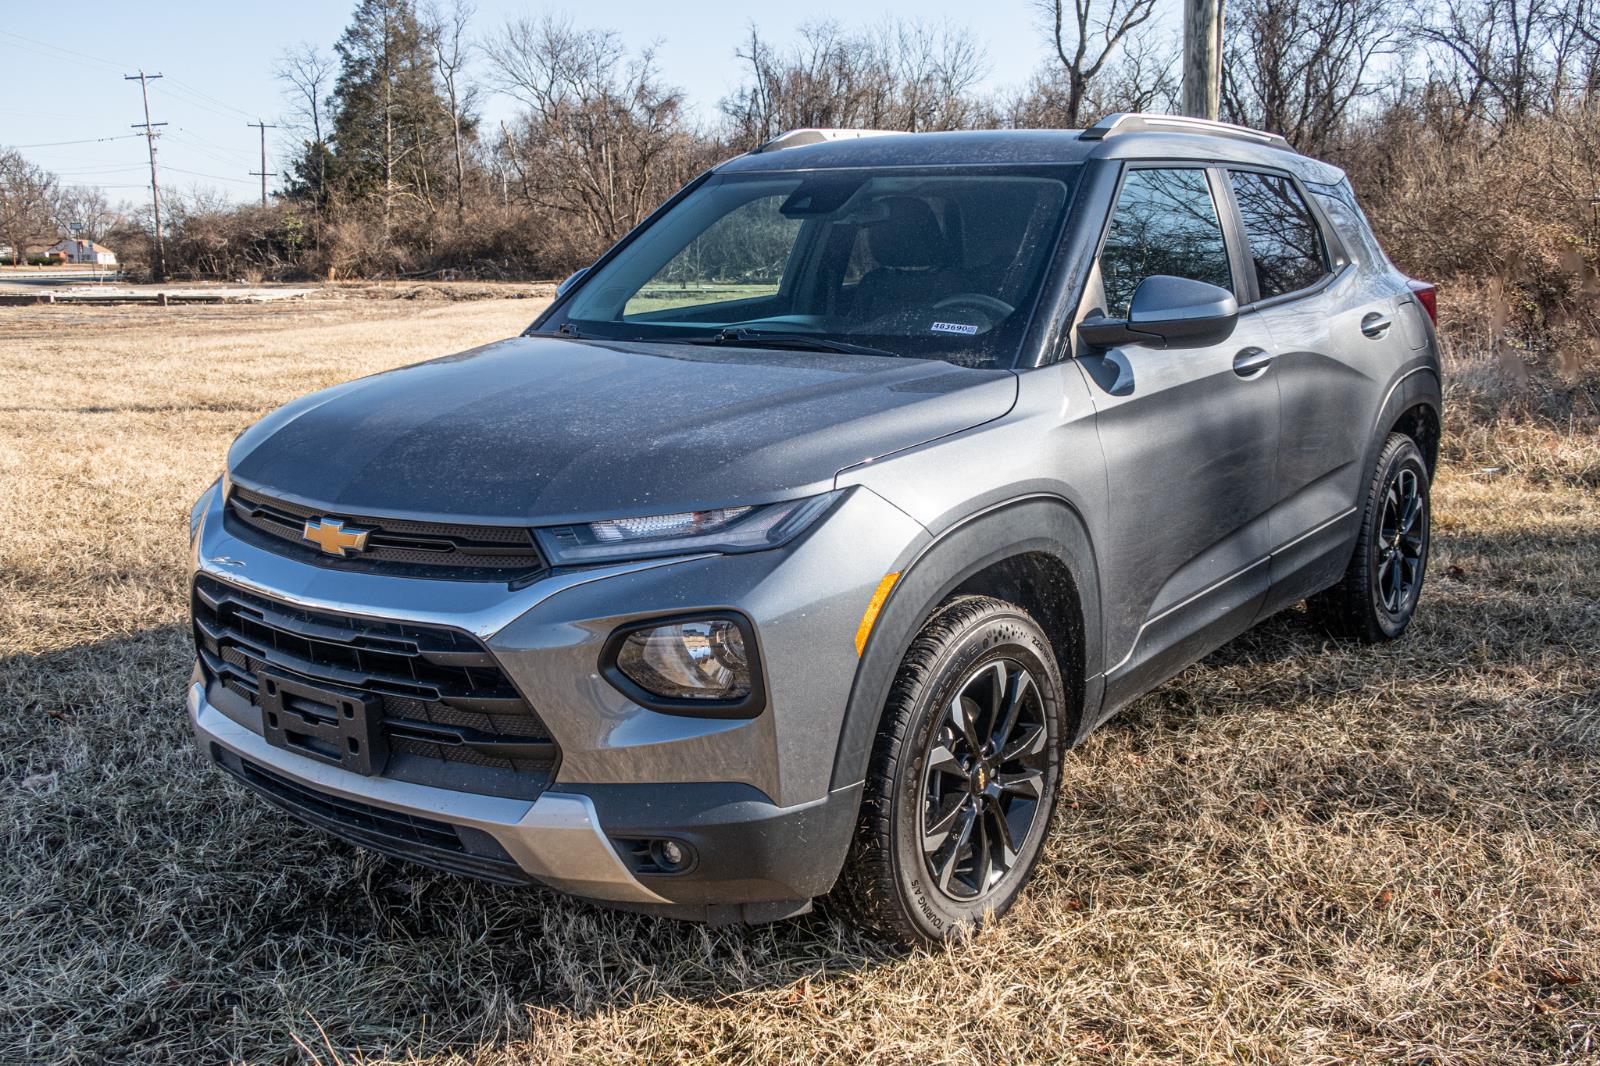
{"points": [[1377, 597], [964, 774]]}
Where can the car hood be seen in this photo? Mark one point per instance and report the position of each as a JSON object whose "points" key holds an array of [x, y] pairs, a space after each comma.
{"points": [[540, 429]]}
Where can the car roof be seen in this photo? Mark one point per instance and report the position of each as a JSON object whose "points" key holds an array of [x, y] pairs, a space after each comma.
{"points": [[1014, 147]]}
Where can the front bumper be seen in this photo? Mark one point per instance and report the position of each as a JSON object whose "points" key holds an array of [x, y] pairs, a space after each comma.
{"points": [[556, 839], [754, 861], [750, 797]]}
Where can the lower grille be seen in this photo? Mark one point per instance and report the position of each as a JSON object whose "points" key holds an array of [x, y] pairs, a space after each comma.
{"points": [[454, 849], [443, 696]]}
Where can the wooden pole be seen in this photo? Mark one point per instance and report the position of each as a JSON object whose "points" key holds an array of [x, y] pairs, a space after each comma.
{"points": [[155, 186], [1202, 58]]}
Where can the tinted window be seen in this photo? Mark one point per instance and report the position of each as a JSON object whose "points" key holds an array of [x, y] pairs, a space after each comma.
{"points": [[1165, 223], [1339, 206], [740, 256], [938, 265], [1284, 239]]}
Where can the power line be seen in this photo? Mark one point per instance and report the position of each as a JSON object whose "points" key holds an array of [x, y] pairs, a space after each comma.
{"points": [[207, 96], [226, 156], [64, 51], [183, 90], [155, 187], [214, 177], [190, 100], [103, 169], [262, 173], [91, 140]]}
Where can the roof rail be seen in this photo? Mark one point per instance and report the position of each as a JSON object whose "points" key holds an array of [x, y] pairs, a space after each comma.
{"points": [[798, 138], [1133, 122]]}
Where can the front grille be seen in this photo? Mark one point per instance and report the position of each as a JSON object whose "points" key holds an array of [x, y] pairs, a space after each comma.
{"points": [[454, 550], [443, 696], [454, 849]]}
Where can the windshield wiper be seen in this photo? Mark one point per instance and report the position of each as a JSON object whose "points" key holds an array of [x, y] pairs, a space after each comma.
{"points": [[800, 342]]}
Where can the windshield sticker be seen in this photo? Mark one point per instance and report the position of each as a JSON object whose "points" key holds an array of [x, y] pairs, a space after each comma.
{"points": [[954, 327]]}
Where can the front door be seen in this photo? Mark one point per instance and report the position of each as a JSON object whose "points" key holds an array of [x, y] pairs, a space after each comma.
{"points": [[1190, 439]]}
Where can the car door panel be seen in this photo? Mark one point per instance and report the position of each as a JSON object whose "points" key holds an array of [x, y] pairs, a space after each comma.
{"points": [[1189, 439], [1189, 448]]}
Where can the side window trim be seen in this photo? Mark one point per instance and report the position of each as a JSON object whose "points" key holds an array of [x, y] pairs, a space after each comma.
{"points": [[1233, 243], [1244, 274], [1335, 259]]}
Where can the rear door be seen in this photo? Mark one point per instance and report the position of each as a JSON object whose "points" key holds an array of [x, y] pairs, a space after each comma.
{"points": [[1189, 440], [1333, 332]]}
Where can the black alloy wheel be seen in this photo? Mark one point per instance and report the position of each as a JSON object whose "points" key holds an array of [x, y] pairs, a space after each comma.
{"points": [[964, 774], [1402, 542], [1377, 596], [983, 779]]}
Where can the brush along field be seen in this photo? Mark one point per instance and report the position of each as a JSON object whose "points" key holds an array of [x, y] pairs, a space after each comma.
{"points": [[1297, 851]]}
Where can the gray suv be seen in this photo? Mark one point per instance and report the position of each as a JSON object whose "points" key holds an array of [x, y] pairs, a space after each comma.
{"points": [[793, 547]]}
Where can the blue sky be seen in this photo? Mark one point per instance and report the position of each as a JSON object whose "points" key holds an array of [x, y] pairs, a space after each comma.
{"points": [[63, 65]]}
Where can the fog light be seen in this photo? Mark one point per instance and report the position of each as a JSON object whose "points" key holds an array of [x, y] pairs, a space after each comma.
{"points": [[699, 660], [670, 855]]}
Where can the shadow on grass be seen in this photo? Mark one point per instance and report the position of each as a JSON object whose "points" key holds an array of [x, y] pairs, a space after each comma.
{"points": [[232, 931], [228, 930]]}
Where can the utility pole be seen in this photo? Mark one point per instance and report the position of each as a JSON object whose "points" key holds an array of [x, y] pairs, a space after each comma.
{"points": [[1202, 58], [155, 187], [263, 127]]}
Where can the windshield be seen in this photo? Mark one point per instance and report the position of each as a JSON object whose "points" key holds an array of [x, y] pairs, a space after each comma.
{"points": [[944, 265]]}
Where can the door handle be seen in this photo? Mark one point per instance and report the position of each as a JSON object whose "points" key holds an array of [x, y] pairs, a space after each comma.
{"points": [[1252, 362], [1375, 324]]}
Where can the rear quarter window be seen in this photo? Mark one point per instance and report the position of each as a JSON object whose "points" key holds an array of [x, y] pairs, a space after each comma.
{"points": [[1338, 203]]}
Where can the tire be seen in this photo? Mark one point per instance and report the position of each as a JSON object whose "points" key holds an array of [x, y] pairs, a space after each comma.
{"points": [[922, 775], [1377, 597]]}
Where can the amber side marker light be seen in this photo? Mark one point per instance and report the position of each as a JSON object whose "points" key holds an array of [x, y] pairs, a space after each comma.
{"points": [[880, 594]]}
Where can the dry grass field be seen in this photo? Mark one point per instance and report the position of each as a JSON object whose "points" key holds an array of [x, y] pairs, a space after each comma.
{"points": [[1296, 852]]}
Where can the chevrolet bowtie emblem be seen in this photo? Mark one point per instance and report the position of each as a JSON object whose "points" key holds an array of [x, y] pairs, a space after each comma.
{"points": [[334, 537]]}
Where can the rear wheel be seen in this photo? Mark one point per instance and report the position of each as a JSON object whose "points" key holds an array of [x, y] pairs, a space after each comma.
{"points": [[964, 774], [1377, 597]]}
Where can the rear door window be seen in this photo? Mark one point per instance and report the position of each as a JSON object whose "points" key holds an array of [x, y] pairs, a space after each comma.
{"points": [[1165, 222], [1285, 240]]}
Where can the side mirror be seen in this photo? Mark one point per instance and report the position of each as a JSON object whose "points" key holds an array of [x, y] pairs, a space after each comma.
{"points": [[571, 280], [1167, 312]]}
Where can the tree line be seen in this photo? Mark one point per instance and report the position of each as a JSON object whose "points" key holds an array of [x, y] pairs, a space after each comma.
{"points": [[1471, 129]]}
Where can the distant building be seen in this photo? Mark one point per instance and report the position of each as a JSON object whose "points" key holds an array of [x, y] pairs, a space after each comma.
{"points": [[76, 250]]}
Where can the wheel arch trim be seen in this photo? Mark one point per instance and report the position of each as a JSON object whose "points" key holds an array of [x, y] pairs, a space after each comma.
{"points": [[1418, 386], [1037, 523]]}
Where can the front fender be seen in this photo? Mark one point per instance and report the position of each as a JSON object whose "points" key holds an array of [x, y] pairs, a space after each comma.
{"points": [[1044, 524]]}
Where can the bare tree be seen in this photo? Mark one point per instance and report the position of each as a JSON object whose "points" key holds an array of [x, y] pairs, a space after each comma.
{"points": [[1087, 35], [88, 207], [1298, 67], [28, 203], [306, 72], [447, 32], [907, 75], [1499, 55], [829, 78], [600, 136], [1142, 77], [937, 69]]}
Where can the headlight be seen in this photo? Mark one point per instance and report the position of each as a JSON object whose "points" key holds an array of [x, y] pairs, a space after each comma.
{"points": [[699, 666], [722, 529]]}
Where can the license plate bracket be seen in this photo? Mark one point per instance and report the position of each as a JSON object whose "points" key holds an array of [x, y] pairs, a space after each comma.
{"points": [[341, 727]]}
